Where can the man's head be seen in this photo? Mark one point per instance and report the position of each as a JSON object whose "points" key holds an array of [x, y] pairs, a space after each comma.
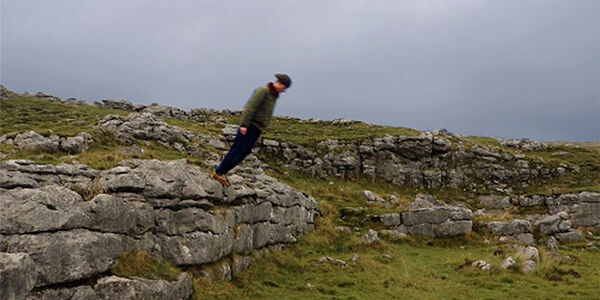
{"points": [[283, 82]]}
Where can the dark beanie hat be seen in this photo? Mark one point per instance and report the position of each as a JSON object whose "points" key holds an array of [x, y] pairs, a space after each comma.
{"points": [[284, 79]]}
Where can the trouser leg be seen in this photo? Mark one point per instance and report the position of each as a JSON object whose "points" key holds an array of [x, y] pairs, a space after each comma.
{"points": [[242, 146]]}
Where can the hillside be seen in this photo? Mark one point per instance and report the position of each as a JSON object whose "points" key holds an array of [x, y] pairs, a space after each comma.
{"points": [[322, 209]]}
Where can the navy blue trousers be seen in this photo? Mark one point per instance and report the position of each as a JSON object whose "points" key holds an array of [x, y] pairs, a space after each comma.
{"points": [[242, 146]]}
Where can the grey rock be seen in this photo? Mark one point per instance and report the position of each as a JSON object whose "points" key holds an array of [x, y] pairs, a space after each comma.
{"points": [[552, 243], [77, 293], [114, 287], [569, 236], [119, 104], [453, 228], [390, 220], [531, 253], [425, 201], [526, 238], [482, 264], [34, 141], [371, 197], [494, 201], [243, 239], [529, 201], [514, 227], [76, 144], [79, 253], [17, 275], [370, 237], [144, 126], [550, 224], [508, 262], [37, 210], [529, 265], [425, 229], [425, 215]]}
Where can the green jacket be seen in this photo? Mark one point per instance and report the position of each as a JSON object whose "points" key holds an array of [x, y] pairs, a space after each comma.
{"points": [[259, 109]]}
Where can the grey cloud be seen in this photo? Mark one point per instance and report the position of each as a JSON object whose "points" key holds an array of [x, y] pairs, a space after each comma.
{"points": [[495, 68]]}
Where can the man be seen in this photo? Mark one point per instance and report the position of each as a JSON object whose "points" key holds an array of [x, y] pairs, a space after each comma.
{"points": [[255, 119]]}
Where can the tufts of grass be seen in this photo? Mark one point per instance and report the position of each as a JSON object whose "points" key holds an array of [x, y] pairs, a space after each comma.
{"points": [[142, 264], [90, 190]]}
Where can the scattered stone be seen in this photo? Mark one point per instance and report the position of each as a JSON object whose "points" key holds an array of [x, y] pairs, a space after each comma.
{"points": [[371, 197], [370, 237], [355, 258], [425, 201], [552, 243], [531, 253], [335, 261], [342, 122], [482, 264], [529, 265], [508, 262]]}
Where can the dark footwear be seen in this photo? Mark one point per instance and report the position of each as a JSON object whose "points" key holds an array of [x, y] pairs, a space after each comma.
{"points": [[220, 178]]}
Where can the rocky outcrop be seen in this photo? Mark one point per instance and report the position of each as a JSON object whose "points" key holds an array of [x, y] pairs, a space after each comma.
{"points": [[145, 126], [33, 141], [169, 209], [200, 114], [430, 218], [115, 287], [426, 161], [565, 213]]}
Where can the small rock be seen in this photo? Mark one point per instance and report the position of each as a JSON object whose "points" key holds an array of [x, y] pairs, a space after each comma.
{"points": [[552, 243], [479, 212], [482, 264], [323, 259], [370, 237], [528, 266], [508, 262], [531, 253], [371, 197], [355, 258]]}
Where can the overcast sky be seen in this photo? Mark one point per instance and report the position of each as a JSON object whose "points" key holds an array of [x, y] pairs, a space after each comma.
{"points": [[510, 69]]}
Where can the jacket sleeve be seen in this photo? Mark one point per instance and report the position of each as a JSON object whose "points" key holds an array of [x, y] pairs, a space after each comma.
{"points": [[252, 106]]}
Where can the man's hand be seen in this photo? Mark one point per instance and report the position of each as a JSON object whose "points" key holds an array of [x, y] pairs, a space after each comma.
{"points": [[243, 130]]}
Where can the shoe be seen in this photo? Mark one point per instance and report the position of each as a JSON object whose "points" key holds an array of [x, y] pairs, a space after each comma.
{"points": [[220, 178]]}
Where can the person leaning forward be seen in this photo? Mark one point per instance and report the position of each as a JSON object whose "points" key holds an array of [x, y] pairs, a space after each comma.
{"points": [[255, 119]]}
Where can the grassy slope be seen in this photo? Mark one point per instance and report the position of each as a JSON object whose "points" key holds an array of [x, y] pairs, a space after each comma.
{"points": [[418, 268]]}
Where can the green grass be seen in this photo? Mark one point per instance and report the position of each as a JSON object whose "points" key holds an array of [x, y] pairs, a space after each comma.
{"points": [[291, 130], [141, 264], [22, 113]]}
